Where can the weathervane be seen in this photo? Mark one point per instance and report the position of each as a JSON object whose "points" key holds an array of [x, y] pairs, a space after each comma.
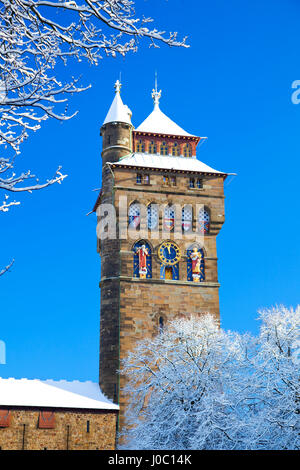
{"points": [[155, 93]]}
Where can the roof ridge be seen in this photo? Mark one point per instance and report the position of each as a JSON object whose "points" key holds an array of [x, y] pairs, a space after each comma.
{"points": [[52, 380]]}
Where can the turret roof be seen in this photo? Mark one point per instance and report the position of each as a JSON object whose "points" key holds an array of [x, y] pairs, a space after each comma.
{"points": [[158, 122], [118, 111]]}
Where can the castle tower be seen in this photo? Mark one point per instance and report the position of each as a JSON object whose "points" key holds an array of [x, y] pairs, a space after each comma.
{"points": [[169, 209]]}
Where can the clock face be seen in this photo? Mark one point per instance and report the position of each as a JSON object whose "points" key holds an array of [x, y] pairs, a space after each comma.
{"points": [[169, 253]]}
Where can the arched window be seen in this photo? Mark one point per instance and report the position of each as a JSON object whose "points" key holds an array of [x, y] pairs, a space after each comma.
{"points": [[134, 216], [169, 218], [140, 146], [187, 150], [203, 220], [152, 216], [164, 149], [142, 260], [187, 218], [152, 147], [175, 150], [195, 264]]}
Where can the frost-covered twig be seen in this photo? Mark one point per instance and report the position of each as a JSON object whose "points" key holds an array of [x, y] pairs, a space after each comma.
{"points": [[4, 270], [13, 183], [36, 35]]}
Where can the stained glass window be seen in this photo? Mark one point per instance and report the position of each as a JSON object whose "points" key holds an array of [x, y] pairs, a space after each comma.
{"points": [[187, 218], [203, 220], [134, 216], [169, 218], [152, 216]]}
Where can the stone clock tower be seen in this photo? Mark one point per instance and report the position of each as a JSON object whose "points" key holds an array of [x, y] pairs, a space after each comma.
{"points": [[159, 259]]}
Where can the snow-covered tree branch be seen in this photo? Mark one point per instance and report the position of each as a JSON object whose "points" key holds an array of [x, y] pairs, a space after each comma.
{"points": [[7, 268], [36, 35], [35, 38], [11, 182], [196, 386], [14, 183]]}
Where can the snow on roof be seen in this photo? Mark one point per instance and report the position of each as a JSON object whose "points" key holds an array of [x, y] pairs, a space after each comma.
{"points": [[158, 123], [53, 394], [118, 112], [145, 160]]}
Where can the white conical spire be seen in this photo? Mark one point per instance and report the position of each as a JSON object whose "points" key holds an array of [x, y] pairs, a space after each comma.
{"points": [[157, 122], [118, 112]]}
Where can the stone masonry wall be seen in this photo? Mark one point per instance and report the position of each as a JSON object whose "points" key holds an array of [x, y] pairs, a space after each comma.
{"points": [[131, 307], [143, 302], [70, 431]]}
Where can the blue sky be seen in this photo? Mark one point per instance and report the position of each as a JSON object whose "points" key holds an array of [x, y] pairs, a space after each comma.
{"points": [[233, 85]]}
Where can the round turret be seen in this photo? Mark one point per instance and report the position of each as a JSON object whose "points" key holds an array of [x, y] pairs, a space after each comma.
{"points": [[116, 130]]}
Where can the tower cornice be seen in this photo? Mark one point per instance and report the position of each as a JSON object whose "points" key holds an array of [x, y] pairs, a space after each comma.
{"points": [[167, 170], [169, 136]]}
